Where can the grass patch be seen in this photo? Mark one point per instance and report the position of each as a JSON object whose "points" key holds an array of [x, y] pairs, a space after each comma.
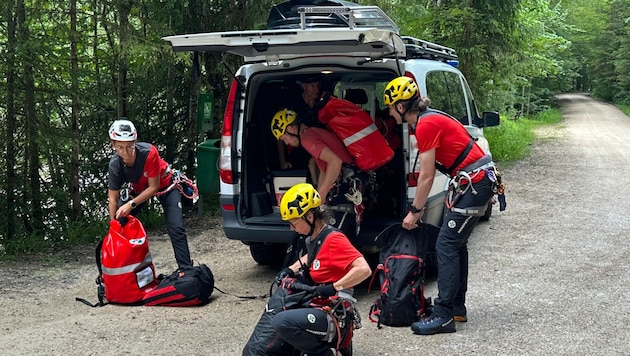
{"points": [[625, 109], [511, 140]]}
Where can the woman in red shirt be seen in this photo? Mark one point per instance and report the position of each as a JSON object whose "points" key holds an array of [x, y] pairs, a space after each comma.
{"points": [[444, 144], [335, 266], [140, 164]]}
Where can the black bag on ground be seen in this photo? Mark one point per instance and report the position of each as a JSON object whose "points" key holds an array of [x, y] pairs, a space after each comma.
{"points": [[264, 341], [187, 286], [401, 273]]}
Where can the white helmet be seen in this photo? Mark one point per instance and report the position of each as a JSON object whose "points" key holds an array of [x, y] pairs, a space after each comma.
{"points": [[123, 130]]}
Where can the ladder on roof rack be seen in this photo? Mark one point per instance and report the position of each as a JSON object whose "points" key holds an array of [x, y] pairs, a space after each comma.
{"points": [[355, 16], [417, 48]]}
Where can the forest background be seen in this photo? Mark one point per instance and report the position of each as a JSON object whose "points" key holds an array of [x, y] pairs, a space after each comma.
{"points": [[72, 67]]}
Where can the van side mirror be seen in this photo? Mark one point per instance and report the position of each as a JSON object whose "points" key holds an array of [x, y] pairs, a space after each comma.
{"points": [[490, 118]]}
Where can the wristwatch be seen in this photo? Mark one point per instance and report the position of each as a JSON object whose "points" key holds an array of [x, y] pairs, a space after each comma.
{"points": [[415, 210], [133, 204]]}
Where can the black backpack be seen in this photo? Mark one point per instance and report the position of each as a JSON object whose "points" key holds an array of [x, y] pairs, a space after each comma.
{"points": [[187, 286], [401, 271]]}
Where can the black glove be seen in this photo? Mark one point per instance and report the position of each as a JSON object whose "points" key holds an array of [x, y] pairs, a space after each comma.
{"points": [[326, 290], [286, 272]]}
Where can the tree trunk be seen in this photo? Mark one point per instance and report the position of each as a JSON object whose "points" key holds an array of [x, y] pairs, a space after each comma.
{"points": [[75, 195], [8, 207], [32, 195], [124, 9]]}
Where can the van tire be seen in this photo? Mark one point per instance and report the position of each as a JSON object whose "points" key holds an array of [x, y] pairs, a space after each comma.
{"points": [[486, 216], [268, 254]]}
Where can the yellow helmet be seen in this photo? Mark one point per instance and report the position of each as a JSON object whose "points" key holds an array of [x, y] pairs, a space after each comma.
{"points": [[401, 88], [299, 199], [281, 120]]}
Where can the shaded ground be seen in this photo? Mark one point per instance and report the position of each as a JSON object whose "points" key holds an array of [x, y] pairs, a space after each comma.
{"points": [[548, 276]]}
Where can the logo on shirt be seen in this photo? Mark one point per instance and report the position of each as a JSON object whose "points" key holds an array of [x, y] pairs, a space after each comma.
{"points": [[311, 318], [146, 174], [452, 224], [316, 265]]}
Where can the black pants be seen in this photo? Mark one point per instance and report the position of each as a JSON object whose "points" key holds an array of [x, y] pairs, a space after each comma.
{"points": [[452, 250], [172, 206], [305, 329]]}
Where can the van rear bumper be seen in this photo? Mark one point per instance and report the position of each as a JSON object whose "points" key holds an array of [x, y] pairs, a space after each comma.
{"points": [[267, 229]]}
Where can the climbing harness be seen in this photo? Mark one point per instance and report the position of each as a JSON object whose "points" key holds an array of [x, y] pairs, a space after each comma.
{"points": [[461, 183], [182, 183]]}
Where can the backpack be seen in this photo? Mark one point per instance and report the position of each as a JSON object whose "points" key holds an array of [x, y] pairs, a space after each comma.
{"points": [[356, 129], [126, 271], [401, 269], [187, 286]]}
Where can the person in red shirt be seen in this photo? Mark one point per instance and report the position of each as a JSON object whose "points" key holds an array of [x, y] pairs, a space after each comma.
{"points": [[324, 146], [444, 144], [140, 164], [335, 266]]}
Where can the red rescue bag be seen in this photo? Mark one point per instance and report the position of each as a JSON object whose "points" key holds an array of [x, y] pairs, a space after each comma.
{"points": [[127, 269], [357, 130]]}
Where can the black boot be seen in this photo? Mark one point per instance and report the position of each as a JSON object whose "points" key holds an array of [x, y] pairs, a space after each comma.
{"points": [[434, 325]]}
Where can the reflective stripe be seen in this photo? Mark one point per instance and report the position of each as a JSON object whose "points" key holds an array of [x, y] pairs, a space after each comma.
{"points": [[359, 135], [115, 271]]}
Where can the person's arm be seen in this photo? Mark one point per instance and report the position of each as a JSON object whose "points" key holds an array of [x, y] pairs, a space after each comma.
{"points": [[282, 155], [359, 271], [112, 201], [328, 178], [425, 181], [125, 209]]}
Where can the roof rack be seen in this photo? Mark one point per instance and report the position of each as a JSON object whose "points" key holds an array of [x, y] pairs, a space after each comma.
{"points": [[354, 17], [417, 48]]}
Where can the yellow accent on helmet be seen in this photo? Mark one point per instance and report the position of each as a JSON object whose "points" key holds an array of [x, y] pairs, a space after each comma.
{"points": [[401, 88], [299, 199], [281, 120]]}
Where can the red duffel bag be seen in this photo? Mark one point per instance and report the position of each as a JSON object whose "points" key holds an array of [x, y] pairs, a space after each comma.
{"points": [[127, 269], [357, 130]]}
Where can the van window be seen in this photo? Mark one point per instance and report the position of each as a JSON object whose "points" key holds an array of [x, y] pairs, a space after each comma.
{"points": [[447, 94]]}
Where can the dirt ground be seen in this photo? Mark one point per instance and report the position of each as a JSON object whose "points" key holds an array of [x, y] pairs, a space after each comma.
{"points": [[548, 276]]}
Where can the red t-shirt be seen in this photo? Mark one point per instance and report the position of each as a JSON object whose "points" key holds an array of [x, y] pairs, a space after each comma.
{"points": [[148, 163], [449, 138], [315, 139], [334, 259]]}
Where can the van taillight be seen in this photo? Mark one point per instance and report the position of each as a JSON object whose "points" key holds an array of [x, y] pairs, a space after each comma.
{"points": [[225, 159]]}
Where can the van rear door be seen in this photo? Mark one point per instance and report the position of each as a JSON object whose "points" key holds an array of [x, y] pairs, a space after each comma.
{"points": [[273, 45]]}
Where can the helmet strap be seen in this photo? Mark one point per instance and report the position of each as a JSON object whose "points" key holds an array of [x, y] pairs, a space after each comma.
{"points": [[310, 224]]}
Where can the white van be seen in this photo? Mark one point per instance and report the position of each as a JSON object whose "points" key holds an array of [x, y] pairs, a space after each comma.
{"points": [[359, 54]]}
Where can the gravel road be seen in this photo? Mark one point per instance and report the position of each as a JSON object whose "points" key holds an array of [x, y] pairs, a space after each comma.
{"points": [[548, 276]]}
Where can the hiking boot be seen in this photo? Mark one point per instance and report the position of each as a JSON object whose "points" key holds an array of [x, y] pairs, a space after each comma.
{"points": [[460, 314], [434, 325]]}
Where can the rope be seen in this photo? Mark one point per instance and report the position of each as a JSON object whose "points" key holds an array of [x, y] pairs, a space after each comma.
{"points": [[182, 183]]}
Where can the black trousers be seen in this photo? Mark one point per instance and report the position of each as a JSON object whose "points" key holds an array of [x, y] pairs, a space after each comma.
{"points": [[452, 250], [305, 329], [172, 205]]}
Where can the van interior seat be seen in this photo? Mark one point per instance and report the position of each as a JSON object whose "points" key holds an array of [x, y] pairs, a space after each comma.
{"points": [[356, 95]]}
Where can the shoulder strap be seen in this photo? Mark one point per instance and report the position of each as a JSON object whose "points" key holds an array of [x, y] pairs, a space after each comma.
{"points": [[100, 291], [319, 241]]}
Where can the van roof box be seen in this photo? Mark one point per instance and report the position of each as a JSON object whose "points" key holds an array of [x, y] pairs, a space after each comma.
{"points": [[305, 14]]}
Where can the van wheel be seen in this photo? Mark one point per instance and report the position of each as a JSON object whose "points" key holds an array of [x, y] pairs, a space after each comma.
{"points": [[268, 255], [487, 214]]}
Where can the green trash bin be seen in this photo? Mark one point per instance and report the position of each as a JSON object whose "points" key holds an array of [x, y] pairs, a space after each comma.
{"points": [[208, 166]]}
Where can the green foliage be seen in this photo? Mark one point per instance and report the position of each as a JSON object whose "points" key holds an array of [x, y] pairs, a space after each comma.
{"points": [[511, 140], [625, 109]]}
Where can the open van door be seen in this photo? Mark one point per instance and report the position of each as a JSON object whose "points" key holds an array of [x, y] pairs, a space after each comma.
{"points": [[274, 45]]}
